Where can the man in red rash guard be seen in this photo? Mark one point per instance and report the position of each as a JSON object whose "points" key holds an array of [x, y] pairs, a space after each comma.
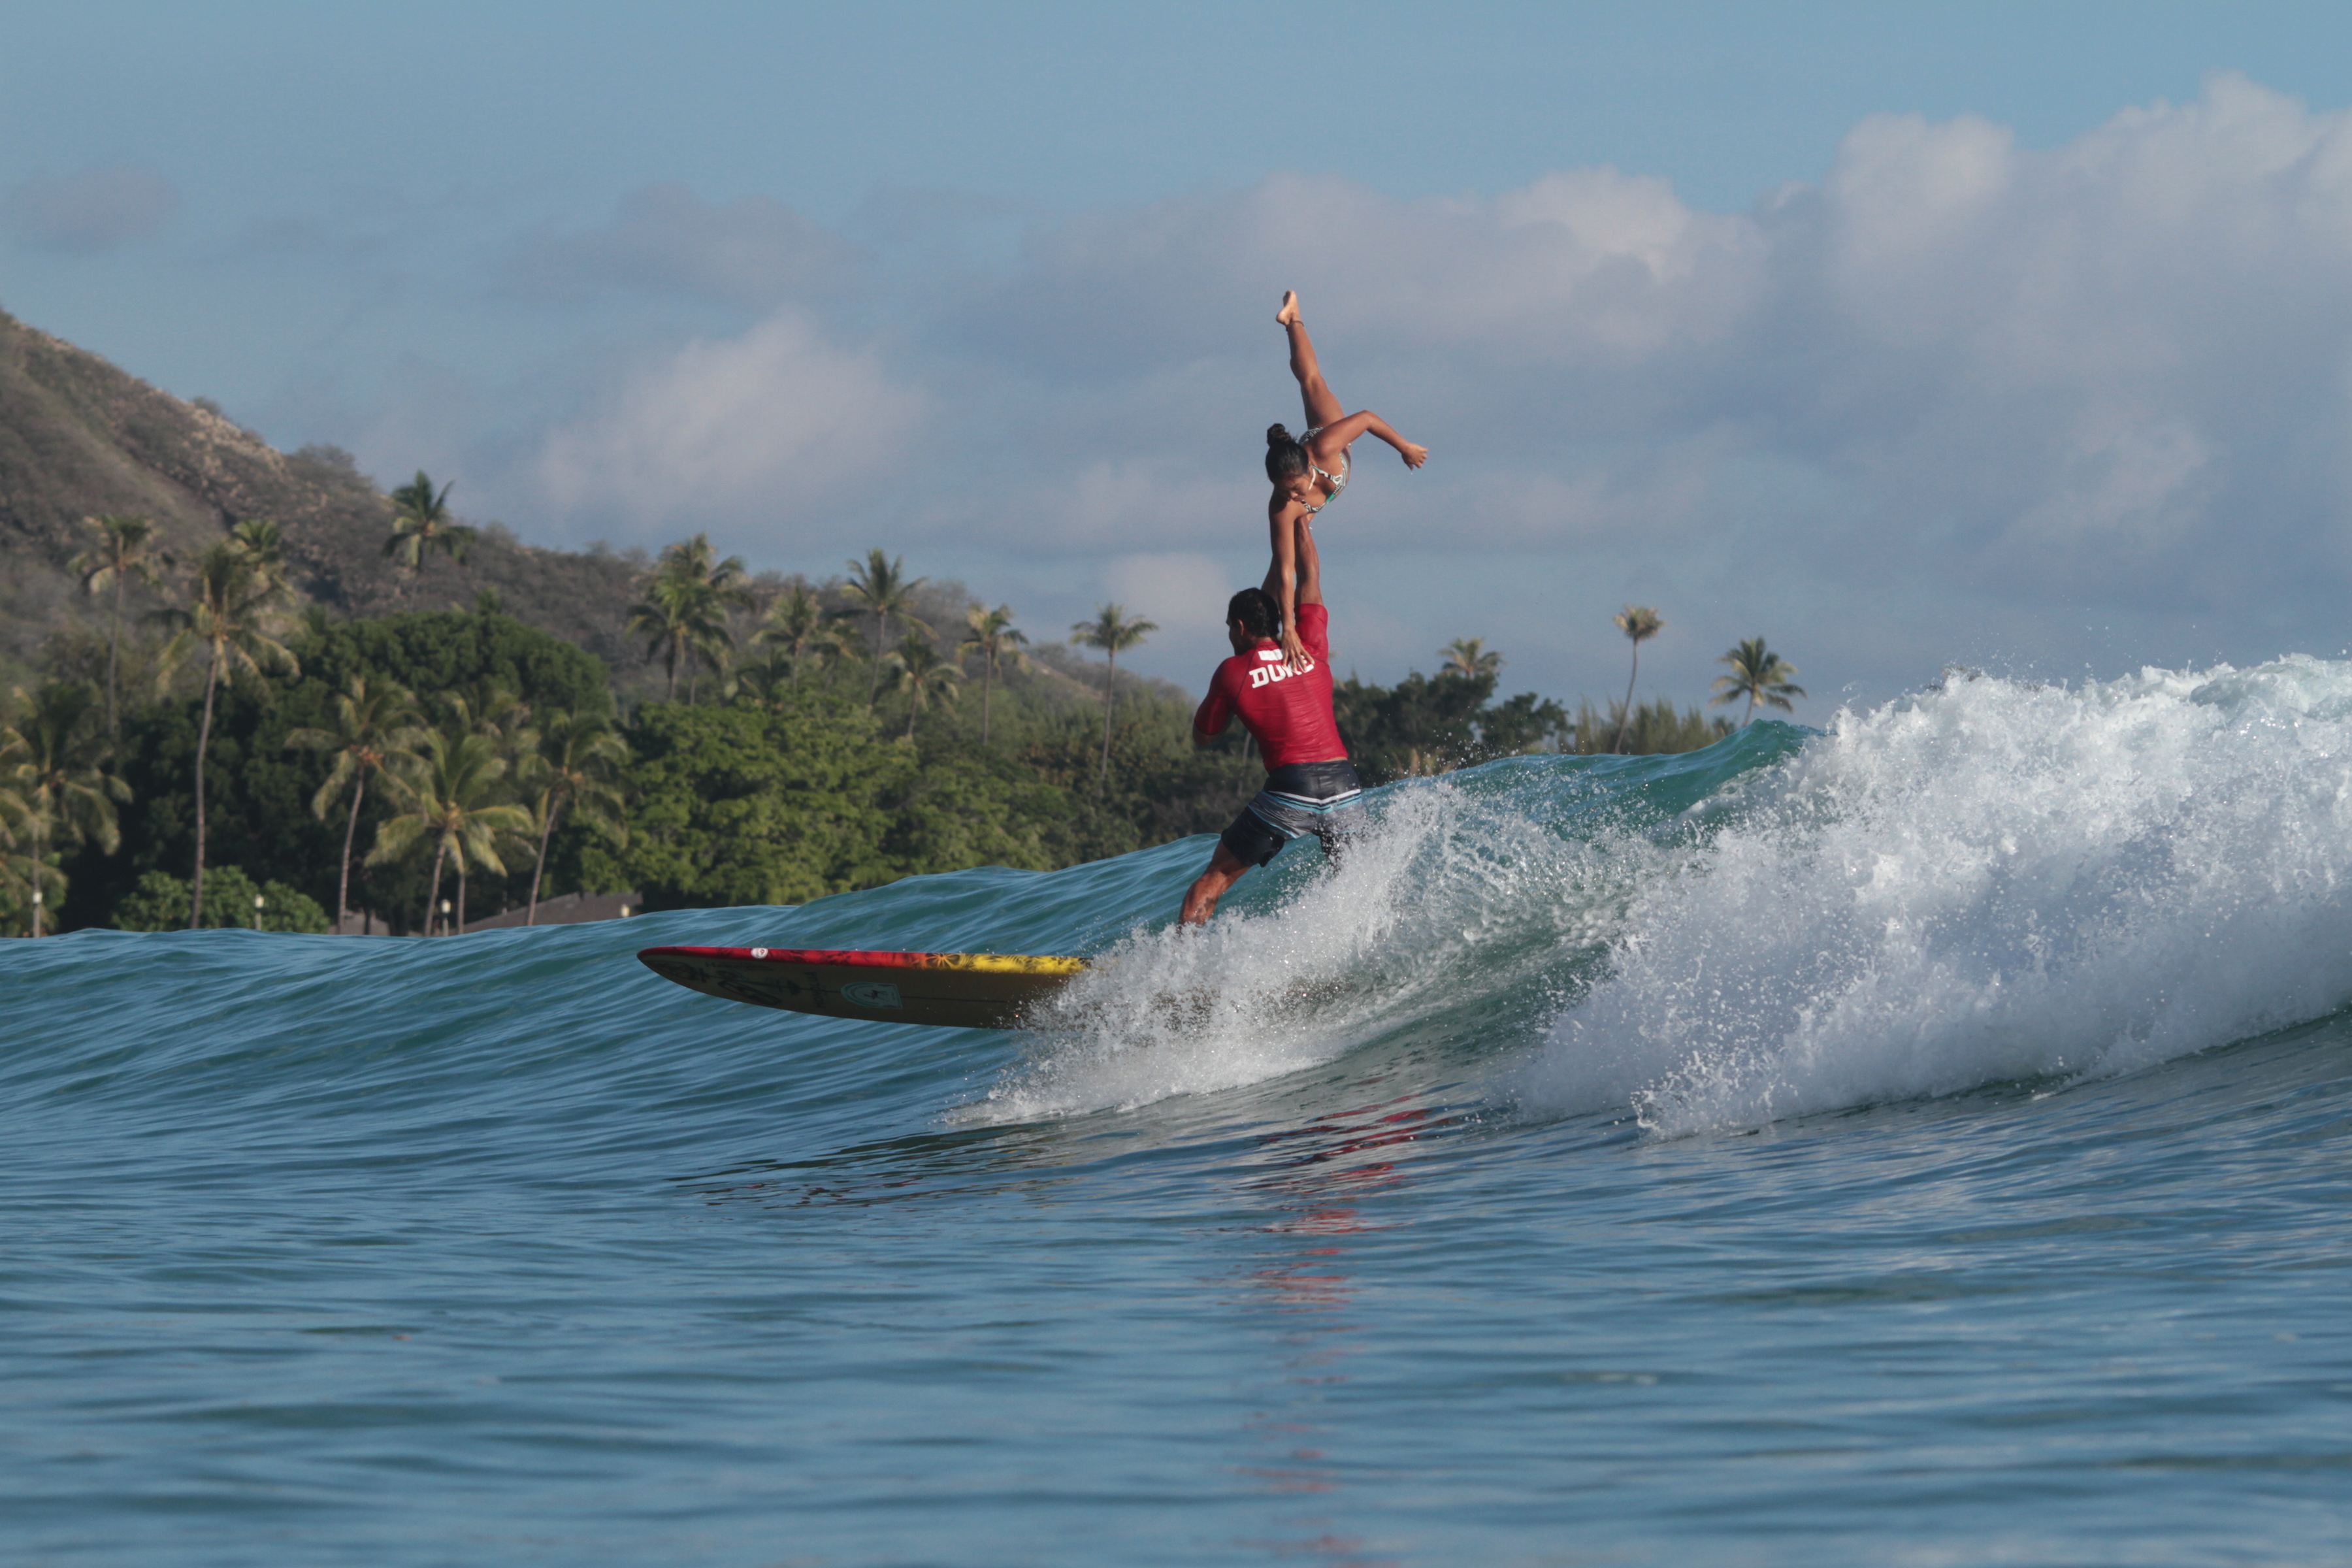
{"points": [[1310, 785]]}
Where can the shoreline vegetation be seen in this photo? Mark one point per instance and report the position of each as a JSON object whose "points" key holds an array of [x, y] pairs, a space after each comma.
{"points": [[240, 688], [286, 770]]}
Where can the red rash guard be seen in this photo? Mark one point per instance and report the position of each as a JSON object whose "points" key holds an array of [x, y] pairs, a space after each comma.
{"points": [[1289, 711]]}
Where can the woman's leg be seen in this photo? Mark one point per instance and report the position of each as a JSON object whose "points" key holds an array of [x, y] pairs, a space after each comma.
{"points": [[1322, 408]]}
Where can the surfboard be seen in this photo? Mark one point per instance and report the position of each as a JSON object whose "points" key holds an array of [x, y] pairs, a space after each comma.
{"points": [[954, 990]]}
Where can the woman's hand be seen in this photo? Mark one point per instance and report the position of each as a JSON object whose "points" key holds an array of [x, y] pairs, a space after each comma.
{"points": [[1294, 652], [1414, 457]]}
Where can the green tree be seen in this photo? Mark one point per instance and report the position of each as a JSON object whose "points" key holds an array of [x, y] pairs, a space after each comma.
{"points": [[377, 726], [675, 617], [126, 550], [1468, 658], [504, 719], [1423, 725], [684, 612], [264, 543], [880, 585], [422, 522], [231, 615], [1521, 724], [577, 767], [1760, 675], [993, 639], [746, 806], [739, 806], [155, 901], [918, 671], [258, 792], [1639, 623], [13, 811], [451, 797], [1656, 728], [57, 774], [795, 623], [1112, 632], [718, 587]]}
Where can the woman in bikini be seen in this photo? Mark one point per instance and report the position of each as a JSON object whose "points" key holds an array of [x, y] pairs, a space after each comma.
{"points": [[1309, 470]]}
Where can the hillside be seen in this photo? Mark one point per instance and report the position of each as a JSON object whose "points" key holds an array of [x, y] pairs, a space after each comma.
{"points": [[80, 436]]}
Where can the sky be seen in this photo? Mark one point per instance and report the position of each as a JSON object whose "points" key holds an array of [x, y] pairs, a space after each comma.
{"points": [[1999, 336]]}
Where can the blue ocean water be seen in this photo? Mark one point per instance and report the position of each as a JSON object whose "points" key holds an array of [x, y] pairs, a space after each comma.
{"points": [[1925, 1140]]}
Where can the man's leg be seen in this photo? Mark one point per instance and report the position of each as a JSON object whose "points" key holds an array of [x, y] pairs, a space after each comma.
{"points": [[1225, 868]]}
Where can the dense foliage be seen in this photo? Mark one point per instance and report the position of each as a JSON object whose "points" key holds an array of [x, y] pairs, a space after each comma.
{"points": [[447, 764]]}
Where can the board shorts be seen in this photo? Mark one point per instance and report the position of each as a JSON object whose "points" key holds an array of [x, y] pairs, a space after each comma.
{"points": [[1322, 799]]}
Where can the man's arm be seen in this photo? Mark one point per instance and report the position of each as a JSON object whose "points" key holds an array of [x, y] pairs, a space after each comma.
{"points": [[1216, 714]]}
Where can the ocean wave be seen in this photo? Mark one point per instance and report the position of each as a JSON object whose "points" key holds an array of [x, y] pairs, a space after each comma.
{"points": [[1994, 881], [1991, 881]]}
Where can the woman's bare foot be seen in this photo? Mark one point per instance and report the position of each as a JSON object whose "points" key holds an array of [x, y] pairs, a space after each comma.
{"points": [[1288, 315]]}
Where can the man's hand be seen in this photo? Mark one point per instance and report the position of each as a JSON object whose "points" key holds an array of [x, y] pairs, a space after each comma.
{"points": [[1294, 652]]}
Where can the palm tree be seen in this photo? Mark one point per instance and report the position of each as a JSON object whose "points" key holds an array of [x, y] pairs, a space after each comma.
{"points": [[880, 583], [126, 549], [230, 615], [1110, 631], [795, 623], [422, 520], [21, 877], [450, 791], [920, 671], [684, 612], [575, 765], [1760, 675], [723, 584], [764, 679], [1468, 658], [265, 543], [993, 639], [375, 728], [1640, 623], [676, 616], [501, 718], [57, 775]]}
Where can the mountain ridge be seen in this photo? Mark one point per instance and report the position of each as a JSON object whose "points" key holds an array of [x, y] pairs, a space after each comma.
{"points": [[80, 436]]}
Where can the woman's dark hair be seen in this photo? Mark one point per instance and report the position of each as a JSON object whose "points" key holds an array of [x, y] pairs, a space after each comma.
{"points": [[1255, 609], [1284, 458]]}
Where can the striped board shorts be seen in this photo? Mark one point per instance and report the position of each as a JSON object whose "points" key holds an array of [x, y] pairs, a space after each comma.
{"points": [[1322, 799]]}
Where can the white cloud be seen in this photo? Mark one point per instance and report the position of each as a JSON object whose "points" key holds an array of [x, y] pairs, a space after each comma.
{"points": [[2086, 372], [1960, 388], [747, 432], [754, 251], [93, 212], [1185, 594]]}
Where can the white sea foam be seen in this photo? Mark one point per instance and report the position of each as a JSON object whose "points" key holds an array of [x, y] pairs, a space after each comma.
{"points": [[1452, 896], [1987, 882]]}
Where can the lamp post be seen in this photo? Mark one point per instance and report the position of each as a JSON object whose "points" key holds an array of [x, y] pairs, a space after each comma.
{"points": [[445, 918], [37, 902], [256, 911]]}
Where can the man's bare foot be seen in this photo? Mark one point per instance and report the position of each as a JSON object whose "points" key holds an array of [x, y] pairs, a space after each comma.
{"points": [[1288, 315]]}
